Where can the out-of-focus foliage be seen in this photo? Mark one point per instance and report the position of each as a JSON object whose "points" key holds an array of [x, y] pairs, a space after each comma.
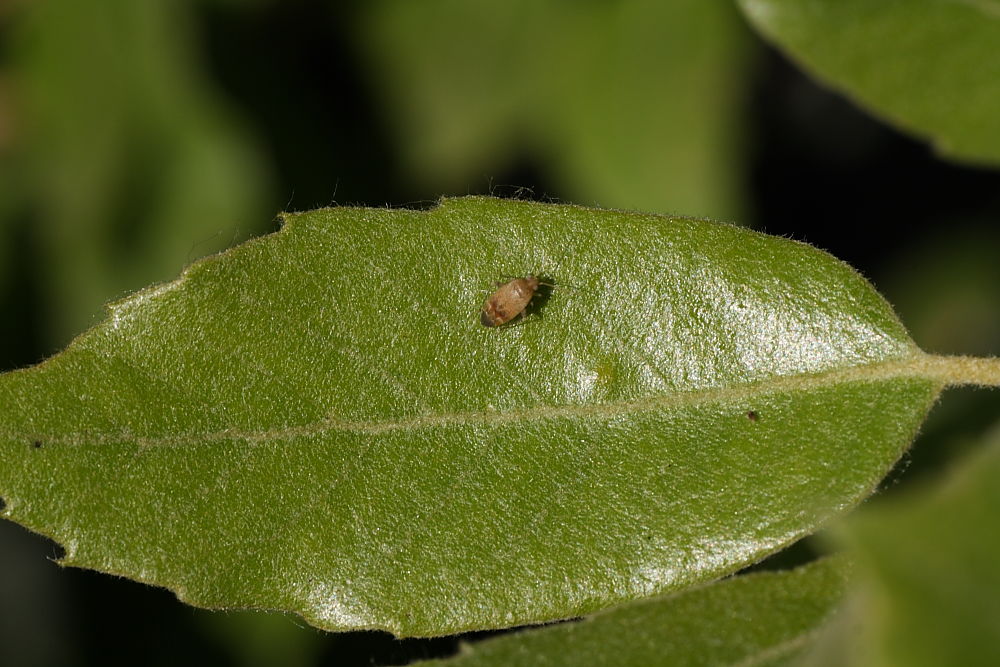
{"points": [[118, 161], [930, 66], [926, 575], [932, 559], [632, 104], [948, 285], [259, 639]]}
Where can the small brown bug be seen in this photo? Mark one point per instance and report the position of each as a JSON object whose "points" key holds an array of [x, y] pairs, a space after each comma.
{"points": [[509, 301]]}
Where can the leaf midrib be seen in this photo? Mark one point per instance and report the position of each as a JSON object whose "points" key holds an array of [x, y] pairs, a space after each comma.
{"points": [[917, 366]]}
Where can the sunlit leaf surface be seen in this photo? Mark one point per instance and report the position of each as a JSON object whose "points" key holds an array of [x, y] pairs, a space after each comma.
{"points": [[316, 421]]}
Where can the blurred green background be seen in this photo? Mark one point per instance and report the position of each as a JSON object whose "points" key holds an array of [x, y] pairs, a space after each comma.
{"points": [[137, 136]]}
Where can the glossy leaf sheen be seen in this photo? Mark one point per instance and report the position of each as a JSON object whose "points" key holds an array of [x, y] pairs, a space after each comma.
{"points": [[758, 619], [316, 421], [930, 66]]}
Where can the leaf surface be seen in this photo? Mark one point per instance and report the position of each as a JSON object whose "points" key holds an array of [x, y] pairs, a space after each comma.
{"points": [[316, 421], [931, 67], [766, 618]]}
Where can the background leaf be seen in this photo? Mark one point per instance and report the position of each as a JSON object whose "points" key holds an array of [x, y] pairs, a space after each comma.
{"points": [[757, 619], [928, 568], [929, 66], [315, 421], [629, 104], [127, 165]]}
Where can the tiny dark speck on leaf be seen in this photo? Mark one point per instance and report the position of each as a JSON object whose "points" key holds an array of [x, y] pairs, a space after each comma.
{"points": [[752, 416], [36, 444]]}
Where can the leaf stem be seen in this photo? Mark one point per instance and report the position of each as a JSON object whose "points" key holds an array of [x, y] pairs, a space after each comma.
{"points": [[957, 371]]}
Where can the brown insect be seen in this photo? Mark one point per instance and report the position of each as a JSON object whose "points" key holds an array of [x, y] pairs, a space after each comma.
{"points": [[509, 301]]}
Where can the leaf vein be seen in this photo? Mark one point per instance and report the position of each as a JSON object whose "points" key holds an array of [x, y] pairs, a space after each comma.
{"points": [[941, 370]]}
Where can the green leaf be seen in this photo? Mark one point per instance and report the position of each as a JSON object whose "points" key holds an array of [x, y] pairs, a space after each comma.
{"points": [[929, 562], [931, 67], [757, 619], [316, 421], [129, 161], [631, 103]]}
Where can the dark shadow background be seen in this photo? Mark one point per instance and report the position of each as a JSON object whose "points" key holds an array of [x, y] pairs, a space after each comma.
{"points": [[297, 87]]}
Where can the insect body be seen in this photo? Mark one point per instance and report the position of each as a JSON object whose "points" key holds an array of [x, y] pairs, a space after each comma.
{"points": [[509, 301]]}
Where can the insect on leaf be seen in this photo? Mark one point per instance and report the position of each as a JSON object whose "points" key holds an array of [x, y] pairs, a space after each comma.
{"points": [[316, 421]]}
